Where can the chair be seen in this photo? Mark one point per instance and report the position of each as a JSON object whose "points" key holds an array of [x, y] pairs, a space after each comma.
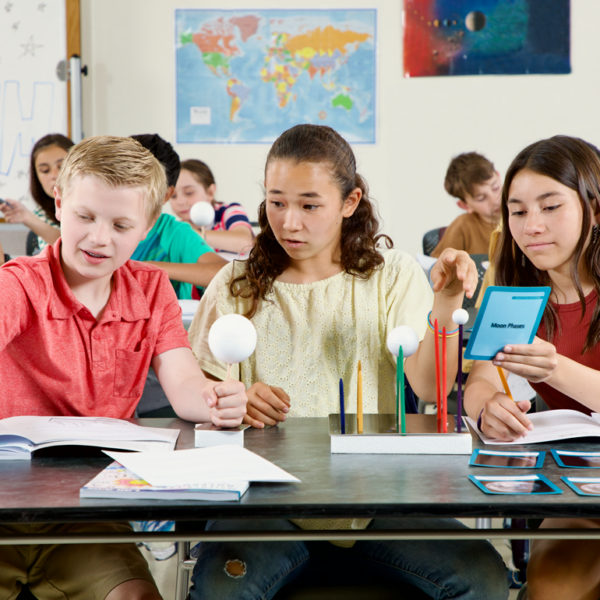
{"points": [[31, 244], [478, 259], [431, 239]]}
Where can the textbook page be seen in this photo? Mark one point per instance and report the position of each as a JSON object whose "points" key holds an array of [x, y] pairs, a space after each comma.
{"points": [[214, 464], [53, 429], [551, 426]]}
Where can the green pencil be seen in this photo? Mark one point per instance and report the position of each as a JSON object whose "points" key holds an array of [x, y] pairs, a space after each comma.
{"points": [[400, 388]]}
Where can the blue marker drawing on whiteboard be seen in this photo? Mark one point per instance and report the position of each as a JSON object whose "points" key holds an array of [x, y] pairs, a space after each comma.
{"points": [[508, 315]]}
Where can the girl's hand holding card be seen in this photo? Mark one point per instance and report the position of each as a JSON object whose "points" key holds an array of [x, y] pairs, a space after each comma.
{"points": [[535, 362]]}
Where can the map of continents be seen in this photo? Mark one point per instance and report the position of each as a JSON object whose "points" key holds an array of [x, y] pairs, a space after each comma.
{"points": [[247, 76]]}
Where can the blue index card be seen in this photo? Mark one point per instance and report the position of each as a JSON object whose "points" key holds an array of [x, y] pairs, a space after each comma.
{"points": [[576, 460], [508, 315], [584, 486], [522, 484], [507, 460]]}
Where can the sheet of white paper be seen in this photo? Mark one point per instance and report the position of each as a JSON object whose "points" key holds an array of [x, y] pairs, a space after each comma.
{"points": [[550, 425], [49, 429], [217, 463], [519, 388]]}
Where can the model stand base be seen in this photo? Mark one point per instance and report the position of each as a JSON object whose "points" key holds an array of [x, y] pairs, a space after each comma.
{"points": [[381, 436]]}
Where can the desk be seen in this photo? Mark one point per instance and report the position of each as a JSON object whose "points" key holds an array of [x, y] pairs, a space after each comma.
{"points": [[47, 490]]}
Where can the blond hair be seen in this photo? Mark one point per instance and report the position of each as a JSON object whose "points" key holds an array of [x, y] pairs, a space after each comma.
{"points": [[117, 162]]}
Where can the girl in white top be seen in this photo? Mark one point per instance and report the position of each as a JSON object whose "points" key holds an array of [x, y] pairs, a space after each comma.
{"points": [[322, 297]]}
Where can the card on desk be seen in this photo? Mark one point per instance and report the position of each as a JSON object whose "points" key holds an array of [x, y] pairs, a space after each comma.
{"points": [[508, 315], [522, 484]]}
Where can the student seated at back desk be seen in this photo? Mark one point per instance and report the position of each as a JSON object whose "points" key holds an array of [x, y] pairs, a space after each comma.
{"points": [[323, 295], [473, 180], [231, 231], [46, 159], [171, 244], [79, 326]]}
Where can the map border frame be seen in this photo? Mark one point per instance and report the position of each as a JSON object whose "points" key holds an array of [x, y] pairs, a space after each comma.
{"points": [[371, 142]]}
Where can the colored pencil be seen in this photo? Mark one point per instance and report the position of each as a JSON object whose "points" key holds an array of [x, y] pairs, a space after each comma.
{"points": [[359, 400], [400, 386], [504, 383], [459, 397], [398, 393], [437, 378], [444, 383], [342, 411]]}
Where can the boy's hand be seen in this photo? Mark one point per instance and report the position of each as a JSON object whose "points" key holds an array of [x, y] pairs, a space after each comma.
{"points": [[454, 273], [503, 419], [267, 405], [227, 402], [535, 362]]}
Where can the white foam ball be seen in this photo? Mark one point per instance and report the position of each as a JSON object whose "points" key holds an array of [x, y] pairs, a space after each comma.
{"points": [[403, 336], [202, 214], [232, 339], [460, 316]]}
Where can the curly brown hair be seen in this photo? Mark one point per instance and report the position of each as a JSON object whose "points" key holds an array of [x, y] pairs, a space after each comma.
{"points": [[316, 144], [573, 163]]}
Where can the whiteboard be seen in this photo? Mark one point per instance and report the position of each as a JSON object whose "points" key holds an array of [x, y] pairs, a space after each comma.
{"points": [[33, 101]]}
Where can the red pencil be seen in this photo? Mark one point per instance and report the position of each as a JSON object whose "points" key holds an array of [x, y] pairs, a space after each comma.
{"points": [[437, 378], [444, 384]]}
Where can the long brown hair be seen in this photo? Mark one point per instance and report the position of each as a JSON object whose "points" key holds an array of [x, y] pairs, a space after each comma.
{"points": [[35, 187], [322, 145], [573, 163]]}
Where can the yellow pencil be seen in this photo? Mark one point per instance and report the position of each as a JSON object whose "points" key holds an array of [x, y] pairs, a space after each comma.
{"points": [[504, 383], [359, 406]]}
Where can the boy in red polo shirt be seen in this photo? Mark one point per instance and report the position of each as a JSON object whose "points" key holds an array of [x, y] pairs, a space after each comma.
{"points": [[80, 325]]}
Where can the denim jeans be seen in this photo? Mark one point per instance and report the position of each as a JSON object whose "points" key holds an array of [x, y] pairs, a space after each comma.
{"points": [[464, 570]]}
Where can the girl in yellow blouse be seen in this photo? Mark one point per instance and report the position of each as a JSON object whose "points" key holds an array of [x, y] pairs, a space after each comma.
{"points": [[322, 296]]}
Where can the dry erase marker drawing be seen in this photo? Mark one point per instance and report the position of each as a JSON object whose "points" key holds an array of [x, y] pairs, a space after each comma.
{"points": [[232, 339]]}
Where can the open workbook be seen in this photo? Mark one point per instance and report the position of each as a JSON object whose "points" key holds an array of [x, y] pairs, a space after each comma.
{"points": [[551, 426], [21, 436]]}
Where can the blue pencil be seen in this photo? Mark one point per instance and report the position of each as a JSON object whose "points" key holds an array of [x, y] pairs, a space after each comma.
{"points": [[342, 412]]}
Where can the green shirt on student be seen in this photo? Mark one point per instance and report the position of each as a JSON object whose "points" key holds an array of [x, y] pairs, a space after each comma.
{"points": [[172, 241]]}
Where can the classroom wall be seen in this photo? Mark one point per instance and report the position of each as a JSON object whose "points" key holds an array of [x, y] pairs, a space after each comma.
{"points": [[421, 122]]}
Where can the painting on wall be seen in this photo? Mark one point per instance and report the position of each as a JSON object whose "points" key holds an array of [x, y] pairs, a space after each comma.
{"points": [[245, 76], [486, 37]]}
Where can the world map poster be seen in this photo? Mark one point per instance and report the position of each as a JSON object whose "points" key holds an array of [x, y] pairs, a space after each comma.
{"points": [[245, 76]]}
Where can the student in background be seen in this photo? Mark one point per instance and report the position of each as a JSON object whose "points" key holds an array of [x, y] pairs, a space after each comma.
{"points": [[79, 326], [46, 159], [172, 245], [550, 211], [231, 230], [473, 180], [323, 296]]}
